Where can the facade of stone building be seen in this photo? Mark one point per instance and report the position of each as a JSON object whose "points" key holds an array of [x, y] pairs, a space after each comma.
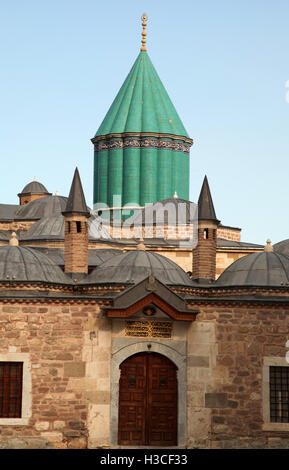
{"points": [[136, 334]]}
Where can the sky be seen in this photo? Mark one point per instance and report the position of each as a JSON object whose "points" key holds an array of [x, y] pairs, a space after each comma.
{"points": [[224, 64]]}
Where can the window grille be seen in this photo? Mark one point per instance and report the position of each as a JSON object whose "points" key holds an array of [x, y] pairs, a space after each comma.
{"points": [[10, 389], [279, 397], [151, 329]]}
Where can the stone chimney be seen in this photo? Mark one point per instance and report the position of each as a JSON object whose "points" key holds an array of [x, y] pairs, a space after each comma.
{"points": [[76, 231], [204, 254]]}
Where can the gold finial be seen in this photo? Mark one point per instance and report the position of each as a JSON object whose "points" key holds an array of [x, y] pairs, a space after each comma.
{"points": [[144, 33], [268, 247], [13, 240]]}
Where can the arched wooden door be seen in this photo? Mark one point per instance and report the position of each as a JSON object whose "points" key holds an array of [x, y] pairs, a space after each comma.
{"points": [[148, 401]]}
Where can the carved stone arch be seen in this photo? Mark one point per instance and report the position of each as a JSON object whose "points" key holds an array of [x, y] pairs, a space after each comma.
{"points": [[175, 353]]}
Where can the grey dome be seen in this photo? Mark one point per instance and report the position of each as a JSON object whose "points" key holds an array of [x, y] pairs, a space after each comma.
{"points": [[257, 269], [53, 227], [21, 263], [34, 188], [43, 207], [282, 247], [134, 266], [166, 212], [46, 228], [95, 256]]}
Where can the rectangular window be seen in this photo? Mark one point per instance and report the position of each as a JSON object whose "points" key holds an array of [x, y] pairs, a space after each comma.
{"points": [[279, 394], [10, 389], [78, 227]]}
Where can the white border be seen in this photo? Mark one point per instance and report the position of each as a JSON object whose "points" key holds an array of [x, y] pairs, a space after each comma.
{"points": [[269, 426], [26, 389]]}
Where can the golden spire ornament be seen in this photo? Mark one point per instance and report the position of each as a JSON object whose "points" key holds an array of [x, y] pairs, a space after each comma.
{"points": [[144, 33]]}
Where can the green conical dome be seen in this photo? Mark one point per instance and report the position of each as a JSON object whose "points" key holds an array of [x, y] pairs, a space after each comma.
{"points": [[142, 104], [141, 149]]}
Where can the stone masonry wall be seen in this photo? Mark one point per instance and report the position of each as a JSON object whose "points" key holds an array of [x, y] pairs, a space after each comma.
{"points": [[170, 232], [227, 350], [69, 366]]}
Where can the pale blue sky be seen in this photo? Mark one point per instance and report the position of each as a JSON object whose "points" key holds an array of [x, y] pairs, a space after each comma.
{"points": [[224, 64]]}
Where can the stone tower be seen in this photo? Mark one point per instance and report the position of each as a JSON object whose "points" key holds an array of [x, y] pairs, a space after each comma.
{"points": [[141, 149], [76, 230], [204, 255]]}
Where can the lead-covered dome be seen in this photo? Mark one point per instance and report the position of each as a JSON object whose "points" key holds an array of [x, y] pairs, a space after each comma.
{"points": [[282, 247], [52, 228], [172, 211], [257, 269], [43, 207], [19, 263], [34, 187], [134, 266]]}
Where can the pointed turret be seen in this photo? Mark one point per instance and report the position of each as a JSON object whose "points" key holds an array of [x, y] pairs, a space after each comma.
{"points": [[76, 230], [76, 200], [204, 255], [141, 147], [206, 209]]}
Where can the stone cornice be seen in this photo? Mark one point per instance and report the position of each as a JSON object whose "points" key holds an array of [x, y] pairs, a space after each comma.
{"points": [[58, 301], [238, 301]]}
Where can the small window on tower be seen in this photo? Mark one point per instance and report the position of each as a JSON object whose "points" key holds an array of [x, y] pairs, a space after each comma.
{"points": [[68, 227], [78, 227], [206, 233]]}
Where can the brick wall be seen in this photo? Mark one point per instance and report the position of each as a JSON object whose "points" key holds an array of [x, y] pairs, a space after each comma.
{"points": [[227, 349], [17, 225], [171, 232], [25, 199], [229, 233], [204, 255], [69, 371], [76, 244]]}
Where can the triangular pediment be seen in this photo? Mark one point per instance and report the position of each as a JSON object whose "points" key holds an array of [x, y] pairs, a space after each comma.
{"points": [[150, 291]]}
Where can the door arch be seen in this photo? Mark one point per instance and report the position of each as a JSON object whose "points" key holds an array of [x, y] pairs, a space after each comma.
{"points": [[148, 390]]}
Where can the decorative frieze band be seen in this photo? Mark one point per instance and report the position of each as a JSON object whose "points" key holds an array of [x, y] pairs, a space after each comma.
{"points": [[148, 142]]}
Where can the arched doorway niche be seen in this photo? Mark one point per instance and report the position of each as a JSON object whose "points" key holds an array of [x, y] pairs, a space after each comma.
{"points": [[170, 351]]}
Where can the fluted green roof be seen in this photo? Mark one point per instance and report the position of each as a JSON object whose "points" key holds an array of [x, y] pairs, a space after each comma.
{"points": [[142, 104]]}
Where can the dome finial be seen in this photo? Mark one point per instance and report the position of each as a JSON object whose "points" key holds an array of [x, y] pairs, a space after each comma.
{"points": [[144, 33], [176, 195], [34, 179], [141, 245], [268, 247], [13, 240]]}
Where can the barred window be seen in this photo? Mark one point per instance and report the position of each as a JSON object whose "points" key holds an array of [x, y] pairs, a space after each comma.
{"points": [[279, 394], [10, 389]]}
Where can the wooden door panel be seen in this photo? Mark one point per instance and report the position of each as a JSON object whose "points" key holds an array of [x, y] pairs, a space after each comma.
{"points": [[148, 401], [162, 403]]}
